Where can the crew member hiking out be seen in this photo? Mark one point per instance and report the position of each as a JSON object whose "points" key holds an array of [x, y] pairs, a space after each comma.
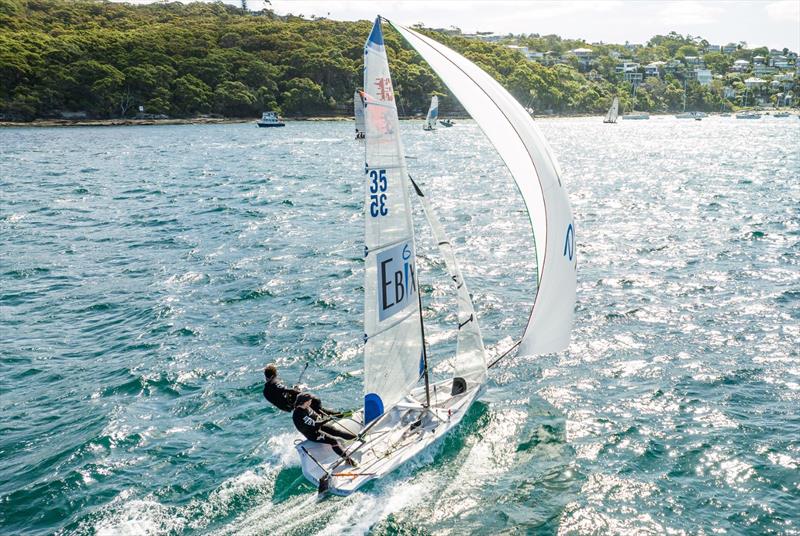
{"points": [[283, 397], [316, 428]]}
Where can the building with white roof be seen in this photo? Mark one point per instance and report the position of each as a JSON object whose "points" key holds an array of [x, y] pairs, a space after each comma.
{"points": [[740, 66], [754, 82]]}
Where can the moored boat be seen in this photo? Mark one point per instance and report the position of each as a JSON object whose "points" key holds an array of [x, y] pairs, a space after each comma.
{"points": [[748, 115], [270, 119]]}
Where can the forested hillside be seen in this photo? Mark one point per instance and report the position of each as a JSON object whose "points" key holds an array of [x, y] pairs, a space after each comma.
{"points": [[182, 60]]}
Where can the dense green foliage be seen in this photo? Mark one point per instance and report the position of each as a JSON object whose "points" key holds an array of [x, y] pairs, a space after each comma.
{"points": [[107, 59]]}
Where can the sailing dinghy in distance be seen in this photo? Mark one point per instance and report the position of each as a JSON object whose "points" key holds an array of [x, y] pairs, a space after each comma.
{"points": [[613, 112], [358, 112], [433, 114], [400, 417]]}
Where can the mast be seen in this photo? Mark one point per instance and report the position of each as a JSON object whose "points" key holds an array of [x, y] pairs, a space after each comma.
{"points": [[684, 95], [424, 349]]}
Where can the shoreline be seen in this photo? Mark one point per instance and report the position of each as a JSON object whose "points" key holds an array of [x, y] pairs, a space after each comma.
{"points": [[41, 123]]}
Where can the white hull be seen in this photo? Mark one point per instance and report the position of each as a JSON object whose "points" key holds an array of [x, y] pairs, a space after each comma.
{"points": [[691, 115], [395, 439]]}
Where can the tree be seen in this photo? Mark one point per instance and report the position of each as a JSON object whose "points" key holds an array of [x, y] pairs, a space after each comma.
{"points": [[302, 96], [718, 63], [234, 99], [190, 96]]}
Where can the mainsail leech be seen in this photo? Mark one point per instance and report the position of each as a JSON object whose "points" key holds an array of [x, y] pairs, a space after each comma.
{"points": [[535, 172]]}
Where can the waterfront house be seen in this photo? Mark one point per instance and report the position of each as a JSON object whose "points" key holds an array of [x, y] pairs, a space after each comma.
{"points": [[779, 62], [521, 50], [654, 68], [633, 77], [740, 66], [584, 56], [672, 66], [761, 70], [730, 48], [627, 66], [536, 56], [703, 76], [754, 82]]}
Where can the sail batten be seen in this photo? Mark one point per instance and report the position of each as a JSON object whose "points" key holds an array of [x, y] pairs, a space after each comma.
{"points": [[537, 176]]}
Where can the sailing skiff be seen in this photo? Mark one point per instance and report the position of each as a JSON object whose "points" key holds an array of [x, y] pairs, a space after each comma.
{"points": [[404, 412], [433, 114]]}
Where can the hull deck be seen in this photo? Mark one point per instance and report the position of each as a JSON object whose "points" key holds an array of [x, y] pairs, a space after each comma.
{"points": [[401, 433]]}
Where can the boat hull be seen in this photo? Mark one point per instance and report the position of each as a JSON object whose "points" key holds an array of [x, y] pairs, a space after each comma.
{"points": [[269, 125], [401, 433]]}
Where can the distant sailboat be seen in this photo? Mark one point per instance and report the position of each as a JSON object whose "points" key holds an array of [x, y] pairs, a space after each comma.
{"points": [[433, 114], [613, 112], [401, 418], [698, 116], [634, 114], [358, 110]]}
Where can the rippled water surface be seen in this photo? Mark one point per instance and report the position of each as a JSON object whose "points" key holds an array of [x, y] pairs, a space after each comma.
{"points": [[148, 273]]}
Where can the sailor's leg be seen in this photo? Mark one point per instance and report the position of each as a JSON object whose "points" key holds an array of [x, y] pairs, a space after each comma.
{"points": [[325, 438], [337, 431]]}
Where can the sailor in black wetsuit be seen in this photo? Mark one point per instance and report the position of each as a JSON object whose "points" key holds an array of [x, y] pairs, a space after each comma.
{"points": [[283, 397], [316, 428], [278, 394]]}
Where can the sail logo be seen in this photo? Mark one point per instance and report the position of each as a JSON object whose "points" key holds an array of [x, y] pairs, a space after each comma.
{"points": [[397, 286], [385, 92], [569, 242]]}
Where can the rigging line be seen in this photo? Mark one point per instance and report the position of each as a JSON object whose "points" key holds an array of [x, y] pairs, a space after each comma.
{"points": [[496, 361]]}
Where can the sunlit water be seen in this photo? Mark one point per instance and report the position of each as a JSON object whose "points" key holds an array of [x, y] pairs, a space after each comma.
{"points": [[148, 273]]}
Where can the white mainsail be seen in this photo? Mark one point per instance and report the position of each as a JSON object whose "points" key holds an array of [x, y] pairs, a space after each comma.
{"points": [[613, 112], [393, 359], [358, 111], [433, 114], [528, 157]]}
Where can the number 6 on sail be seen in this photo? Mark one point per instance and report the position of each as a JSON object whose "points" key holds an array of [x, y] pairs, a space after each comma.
{"points": [[403, 411]]}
